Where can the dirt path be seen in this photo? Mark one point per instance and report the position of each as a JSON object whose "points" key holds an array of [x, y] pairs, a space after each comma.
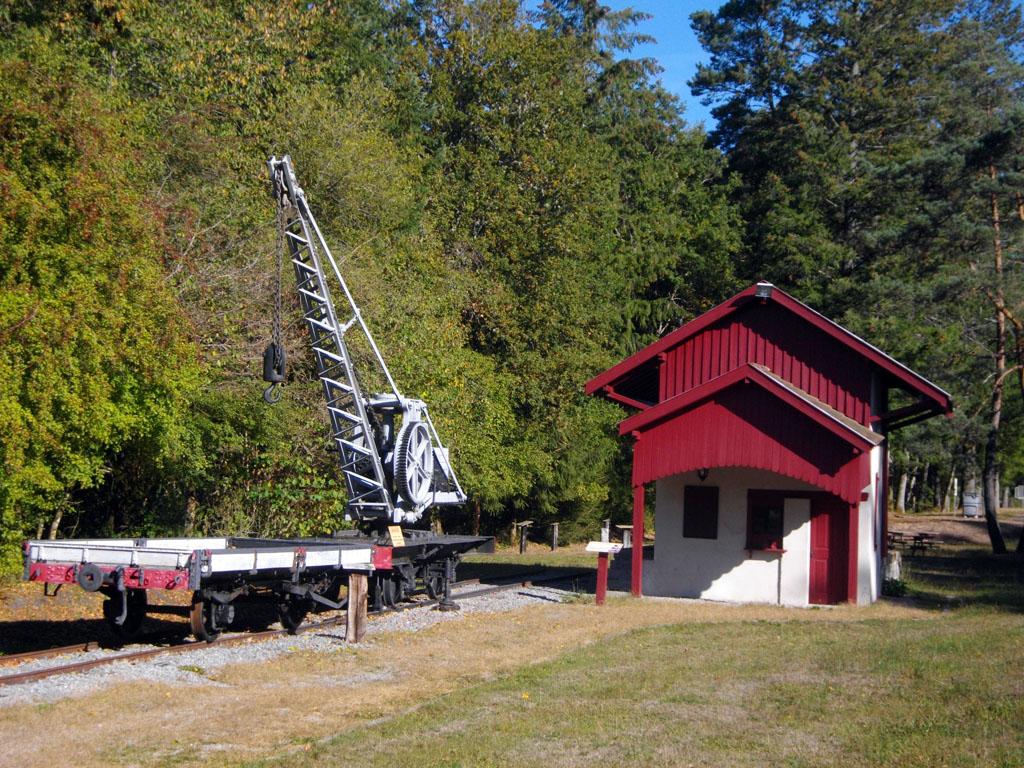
{"points": [[246, 711], [954, 529]]}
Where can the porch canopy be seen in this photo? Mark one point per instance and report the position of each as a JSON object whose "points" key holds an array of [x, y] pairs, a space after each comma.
{"points": [[750, 417]]}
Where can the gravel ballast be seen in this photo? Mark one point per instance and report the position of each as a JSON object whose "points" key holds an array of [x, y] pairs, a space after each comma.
{"points": [[192, 667]]}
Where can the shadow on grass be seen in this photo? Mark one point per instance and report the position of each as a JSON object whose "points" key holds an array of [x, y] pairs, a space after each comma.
{"points": [[967, 577]]}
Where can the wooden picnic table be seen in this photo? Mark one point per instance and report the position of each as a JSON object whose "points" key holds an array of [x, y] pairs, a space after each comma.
{"points": [[922, 542], [897, 540], [914, 543]]}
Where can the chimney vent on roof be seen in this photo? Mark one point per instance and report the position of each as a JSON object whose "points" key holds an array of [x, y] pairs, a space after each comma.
{"points": [[764, 290]]}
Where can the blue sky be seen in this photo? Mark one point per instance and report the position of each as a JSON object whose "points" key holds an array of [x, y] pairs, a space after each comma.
{"points": [[676, 48]]}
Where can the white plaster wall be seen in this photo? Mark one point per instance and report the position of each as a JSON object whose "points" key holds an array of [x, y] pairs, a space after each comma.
{"points": [[721, 569], [869, 558], [795, 564]]}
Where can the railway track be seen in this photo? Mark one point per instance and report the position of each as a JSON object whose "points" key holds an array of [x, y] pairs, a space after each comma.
{"points": [[520, 581]]}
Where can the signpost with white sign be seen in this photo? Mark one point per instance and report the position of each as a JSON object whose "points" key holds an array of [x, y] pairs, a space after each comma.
{"points": [[603, 549]]}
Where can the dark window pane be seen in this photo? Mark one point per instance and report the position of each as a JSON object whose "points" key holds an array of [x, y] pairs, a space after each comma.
{"points": [[700, 512], [764, 524]]}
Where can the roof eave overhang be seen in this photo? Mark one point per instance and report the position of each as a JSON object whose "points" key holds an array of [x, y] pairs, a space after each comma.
{"points": [[912, 414]]}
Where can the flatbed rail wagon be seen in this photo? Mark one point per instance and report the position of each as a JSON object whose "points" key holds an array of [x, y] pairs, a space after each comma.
{"points": [[301, 575]]}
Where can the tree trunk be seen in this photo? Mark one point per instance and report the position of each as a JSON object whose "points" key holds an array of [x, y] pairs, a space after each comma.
{"points": [[990, 471], [948, 500], [922, 488], [191, 507], [55, 523], [901, 495], [990, 475], [910, 491], [476, 517], [1017, 322]]}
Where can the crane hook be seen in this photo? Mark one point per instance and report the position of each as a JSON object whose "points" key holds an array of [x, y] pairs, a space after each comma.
{"points": [[272, 394], [274, 360]]}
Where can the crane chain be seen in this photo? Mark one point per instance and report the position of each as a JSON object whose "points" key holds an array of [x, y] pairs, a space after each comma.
{"points": [[272, 393]]}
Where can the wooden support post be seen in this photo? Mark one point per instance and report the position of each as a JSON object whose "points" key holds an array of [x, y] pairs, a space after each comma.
{"points": [[637, 575], [602, 577], [554, 536], [522, 538], [355, 616]]}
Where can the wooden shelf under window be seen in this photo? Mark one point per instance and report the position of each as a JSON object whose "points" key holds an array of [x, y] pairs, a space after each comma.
{"points": [[767, 550]]}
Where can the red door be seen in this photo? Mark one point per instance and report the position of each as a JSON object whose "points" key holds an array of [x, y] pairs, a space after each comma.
{"points": [[830, 551]]}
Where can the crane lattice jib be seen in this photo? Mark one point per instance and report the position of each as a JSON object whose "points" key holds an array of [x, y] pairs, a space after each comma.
{"points": [[363, 428]]}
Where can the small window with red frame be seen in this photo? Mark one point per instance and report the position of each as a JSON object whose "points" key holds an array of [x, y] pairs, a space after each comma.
{"points": [[764, 524]]}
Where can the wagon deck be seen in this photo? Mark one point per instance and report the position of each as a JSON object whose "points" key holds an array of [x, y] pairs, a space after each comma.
{"points": [[186, 563]]}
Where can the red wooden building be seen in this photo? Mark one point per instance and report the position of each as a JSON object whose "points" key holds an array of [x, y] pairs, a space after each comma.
{"points": [[763, 425]]}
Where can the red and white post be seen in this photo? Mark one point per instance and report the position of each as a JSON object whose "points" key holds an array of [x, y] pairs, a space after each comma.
{"points": [[603, 549]]}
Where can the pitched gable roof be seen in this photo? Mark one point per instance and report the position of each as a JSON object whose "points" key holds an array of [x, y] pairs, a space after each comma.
{"points": [[937, 399]]}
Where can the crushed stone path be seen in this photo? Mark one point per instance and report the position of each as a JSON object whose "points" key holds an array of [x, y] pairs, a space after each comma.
{"points": [[191, 668]]}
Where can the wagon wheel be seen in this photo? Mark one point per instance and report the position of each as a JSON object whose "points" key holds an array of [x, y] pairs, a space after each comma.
{"points": [[292, 613], [133, 620], [200, 619], [434, 582], [383, 592], [399, 587], [387, 591]]}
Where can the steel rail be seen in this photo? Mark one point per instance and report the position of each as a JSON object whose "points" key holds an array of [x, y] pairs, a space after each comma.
{"points": [[46, 653], [520, 581]]}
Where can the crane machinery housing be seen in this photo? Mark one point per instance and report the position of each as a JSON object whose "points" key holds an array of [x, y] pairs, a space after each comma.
{"points": [[394, 466]]}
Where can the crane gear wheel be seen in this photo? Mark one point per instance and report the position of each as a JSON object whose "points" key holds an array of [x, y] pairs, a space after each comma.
{"points": [[414, 463]]}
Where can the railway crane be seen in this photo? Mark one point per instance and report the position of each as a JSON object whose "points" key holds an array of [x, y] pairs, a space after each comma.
{"points": [[393, 462]]}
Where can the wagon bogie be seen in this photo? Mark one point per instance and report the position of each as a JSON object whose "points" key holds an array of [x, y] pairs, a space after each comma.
{"points": [[208, 618]]}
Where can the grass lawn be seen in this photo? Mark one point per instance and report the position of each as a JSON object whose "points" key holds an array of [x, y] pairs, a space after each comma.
{"points": [[571, 556], [945, 688]]}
